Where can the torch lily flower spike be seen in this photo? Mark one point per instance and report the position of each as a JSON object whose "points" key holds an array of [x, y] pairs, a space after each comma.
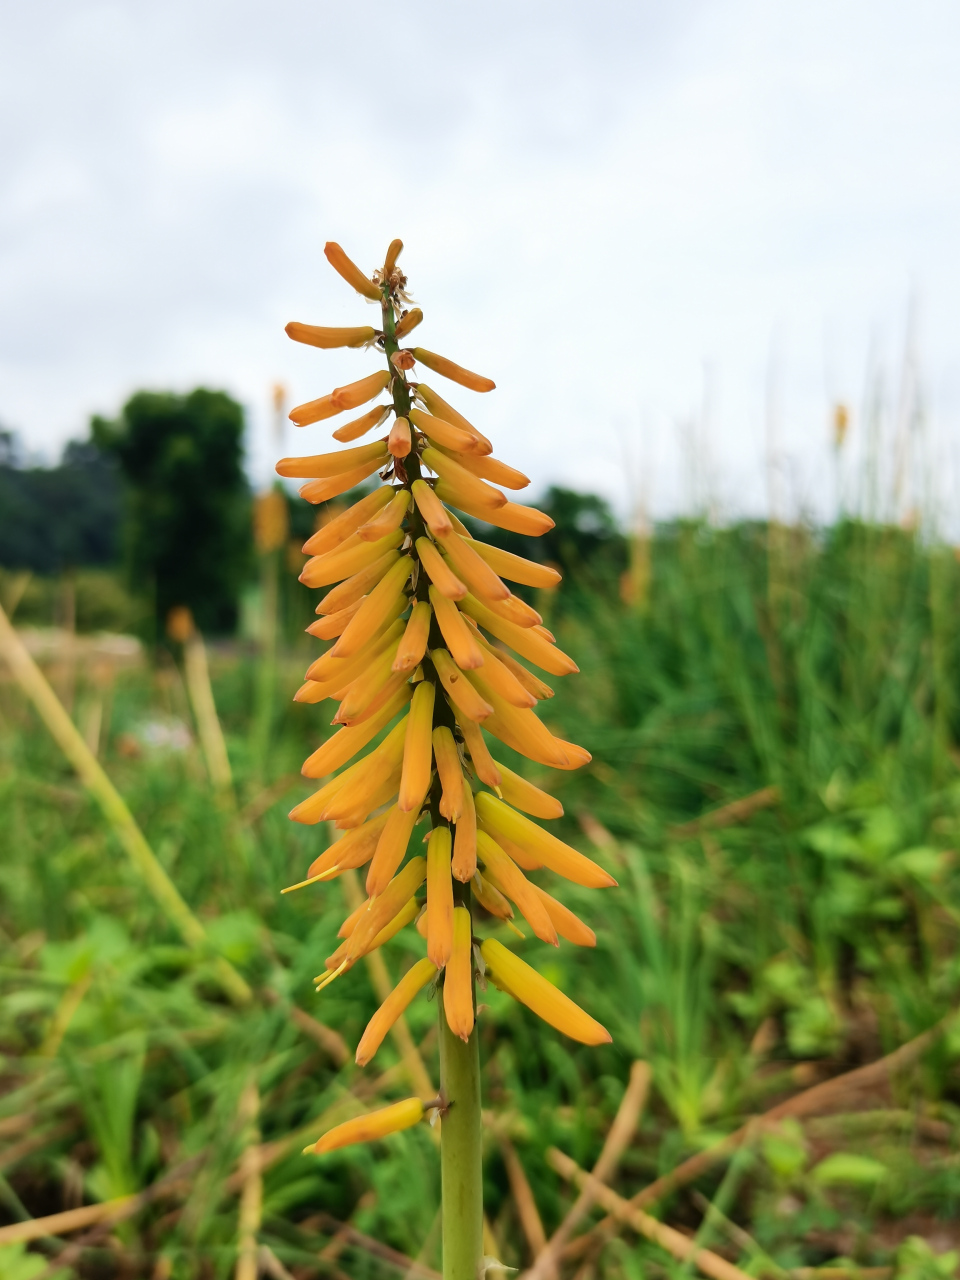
{"points": [[419, 619]]}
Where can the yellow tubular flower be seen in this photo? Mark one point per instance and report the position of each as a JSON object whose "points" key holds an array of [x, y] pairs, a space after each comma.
{"points": [[474, 571], [408, 322], [461, 692], [512, 515], [445, 433], [407, 912], [383, 908], [335, 566], [506, 876], [491, 899], [323, 465], [353, 803], [390, 930], [394, 250], [390, 518], [368, 1128], [378, 606], [475, 490], [516, 568], [350, 396], [440, 409], [530, 682], [513, 609], [398, 441], [431, 508], [360, 426], [331, 669], [420, 615], [317, 491], [350, 271], [445, 367], [354, 589], [345, 744], [565, 922], [458, 983], [553, 853], [414, 643], [354, 850], [522, 857], [336, 531], [484, 764], [417, 751], [461, 642], [510, 974], [362, 691], [391, 848], [526, 641], [308, 811], [496, 678], [325, 337], [439, 897], [464, 862], [440, 574], [486, 468], [328, 628], [520, 729], [451, 776], [412, 982], [524, 795]]}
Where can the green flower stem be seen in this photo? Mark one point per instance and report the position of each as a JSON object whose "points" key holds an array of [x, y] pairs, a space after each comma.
{"points": [[461, 1165], [461, 1170]]}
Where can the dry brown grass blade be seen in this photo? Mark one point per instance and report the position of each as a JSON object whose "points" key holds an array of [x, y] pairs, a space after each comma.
{"points": [[616, 1142], [251, 1190], [254, 809], [729, 815], [114, 808], [523, 1198], [409, 1266], [330, 1041], [107, 1212], [819, 1098], [209, 729], [709, 1263]]}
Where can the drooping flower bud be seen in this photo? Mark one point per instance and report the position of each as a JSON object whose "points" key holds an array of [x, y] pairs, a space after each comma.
{"points": [[350, 271], [368, 1128]]}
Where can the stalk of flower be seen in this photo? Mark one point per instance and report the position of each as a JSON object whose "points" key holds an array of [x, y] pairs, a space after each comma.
{"points": [[420, 622]]}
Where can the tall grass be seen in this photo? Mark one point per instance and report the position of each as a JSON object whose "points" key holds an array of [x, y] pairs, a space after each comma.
{"points": [[742, 957]]}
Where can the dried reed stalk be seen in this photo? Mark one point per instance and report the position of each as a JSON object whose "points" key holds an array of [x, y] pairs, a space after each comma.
{"points": [[616, 1142], [705, 1260], [114, 808]]}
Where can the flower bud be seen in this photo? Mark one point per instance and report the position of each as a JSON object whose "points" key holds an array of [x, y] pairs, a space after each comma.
{"points": [[407, 322], [350, 271], [327, 338], [375, 1124], [455, 372]]}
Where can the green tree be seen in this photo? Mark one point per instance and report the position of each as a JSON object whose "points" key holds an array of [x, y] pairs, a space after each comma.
{"points": [[62, 517], [187, 525]]}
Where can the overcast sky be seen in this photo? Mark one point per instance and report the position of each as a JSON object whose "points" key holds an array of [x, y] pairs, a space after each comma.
{"points": [[674, 234]]}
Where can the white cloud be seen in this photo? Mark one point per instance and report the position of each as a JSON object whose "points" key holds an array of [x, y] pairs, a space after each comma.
{"points": [[623, 212]]}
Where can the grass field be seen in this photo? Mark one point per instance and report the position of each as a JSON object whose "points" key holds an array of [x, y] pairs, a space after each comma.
{"points": [[776, 787]]}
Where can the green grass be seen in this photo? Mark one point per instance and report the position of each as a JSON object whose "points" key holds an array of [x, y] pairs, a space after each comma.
{"points": [[742, 961]]}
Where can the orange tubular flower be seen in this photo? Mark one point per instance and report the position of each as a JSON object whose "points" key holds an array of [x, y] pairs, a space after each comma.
{"points": [[458, 988], [375, 1124], [426, 655]]}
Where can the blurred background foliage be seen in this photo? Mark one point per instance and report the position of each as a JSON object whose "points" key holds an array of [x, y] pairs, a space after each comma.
{"points": [[773, 716]]}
